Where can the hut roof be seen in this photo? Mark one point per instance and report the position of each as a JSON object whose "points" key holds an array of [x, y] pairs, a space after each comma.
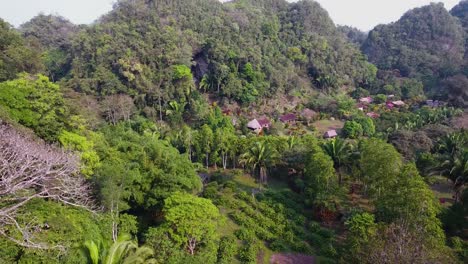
{"points": [[398, 103], [264, 122], [330, 134], [287, 117], [254, 124]]}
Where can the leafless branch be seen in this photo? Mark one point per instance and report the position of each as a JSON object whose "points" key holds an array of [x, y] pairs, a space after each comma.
{"points": [[31, 169]]}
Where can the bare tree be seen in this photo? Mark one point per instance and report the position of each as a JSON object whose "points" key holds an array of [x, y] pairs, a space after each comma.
{"points": [[31, 169], [118, 107]]}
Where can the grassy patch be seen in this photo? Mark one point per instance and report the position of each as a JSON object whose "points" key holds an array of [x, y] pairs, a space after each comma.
{"points": [[323, 126]]}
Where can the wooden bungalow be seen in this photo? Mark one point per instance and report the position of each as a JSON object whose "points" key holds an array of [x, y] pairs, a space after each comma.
{"points": [[288, 118], [330, 134], [254, 125]]}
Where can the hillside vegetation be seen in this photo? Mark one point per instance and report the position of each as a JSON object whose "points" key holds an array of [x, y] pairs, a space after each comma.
{"points": [[195, 131]]}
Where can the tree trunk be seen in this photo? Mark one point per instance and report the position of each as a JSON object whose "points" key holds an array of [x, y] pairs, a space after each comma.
{"points": [[160, 107], [207, 159], [192, 243]]}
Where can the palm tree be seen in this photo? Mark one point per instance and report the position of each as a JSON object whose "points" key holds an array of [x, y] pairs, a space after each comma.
{"points": [[453, 143], [339, 150], [123, 251], [455, 167], [260, 157]]}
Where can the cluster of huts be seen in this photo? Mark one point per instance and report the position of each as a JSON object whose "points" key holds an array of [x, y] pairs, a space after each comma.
{"points": [[258, 124]]}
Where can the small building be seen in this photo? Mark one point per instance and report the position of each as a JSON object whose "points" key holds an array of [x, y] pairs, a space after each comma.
{"points": [[398, 103], [373, 115], [264, 122], [366, 100], [254, 125], [288, 118], [330, 134]]}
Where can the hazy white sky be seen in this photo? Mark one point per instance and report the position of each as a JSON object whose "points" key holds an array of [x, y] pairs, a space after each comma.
{"points": [[363, 14]]}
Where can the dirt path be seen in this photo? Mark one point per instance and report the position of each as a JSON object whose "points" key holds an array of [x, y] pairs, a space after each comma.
{"points": [[292, 259]]}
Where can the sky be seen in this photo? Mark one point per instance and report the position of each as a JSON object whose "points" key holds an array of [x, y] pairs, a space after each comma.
{"points": [[363, 14]]}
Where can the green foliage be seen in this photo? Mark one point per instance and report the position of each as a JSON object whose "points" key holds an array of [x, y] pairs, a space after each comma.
{"points": [[367, 124], [352, 129], [319, 177], [123, 251], [35, 102], [410, 199], [59, 225], [190, 224], [427, 43], [89, 157], [141, 169], [227, 250], [362, 228], [15, 55], [380, 164]]}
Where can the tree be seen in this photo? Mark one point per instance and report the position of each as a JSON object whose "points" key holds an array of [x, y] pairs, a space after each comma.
{"points": [[205, 141], [319, 176], [226, 140], [190, 222], [352, 129], [339, 150], [35, 102], [362, 230], [380, 164], [33, 170], [259, 158], [122, 251], [402, 243], [411, 200], [367, 124], [117, 108], [15, 55]]}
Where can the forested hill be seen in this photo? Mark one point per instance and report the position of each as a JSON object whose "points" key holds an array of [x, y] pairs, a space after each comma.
{"points": [[249, 131], [427, 43], [241, 50]]}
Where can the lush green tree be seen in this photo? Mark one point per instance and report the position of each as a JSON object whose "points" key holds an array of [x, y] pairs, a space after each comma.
{"points": [[319, 177], [260, 157], [352, 129], [139, 166], [367, 123], [380, 164], [190, 223], [340, 151], [35, 102], [410, 199]]}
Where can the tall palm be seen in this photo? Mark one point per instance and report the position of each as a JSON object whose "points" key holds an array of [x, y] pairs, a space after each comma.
{"points": [[123, 251], [259, 158], [339, 150]]}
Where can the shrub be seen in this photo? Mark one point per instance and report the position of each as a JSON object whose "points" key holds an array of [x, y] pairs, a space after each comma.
{"points": [[227, 250], [352, 129]]}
